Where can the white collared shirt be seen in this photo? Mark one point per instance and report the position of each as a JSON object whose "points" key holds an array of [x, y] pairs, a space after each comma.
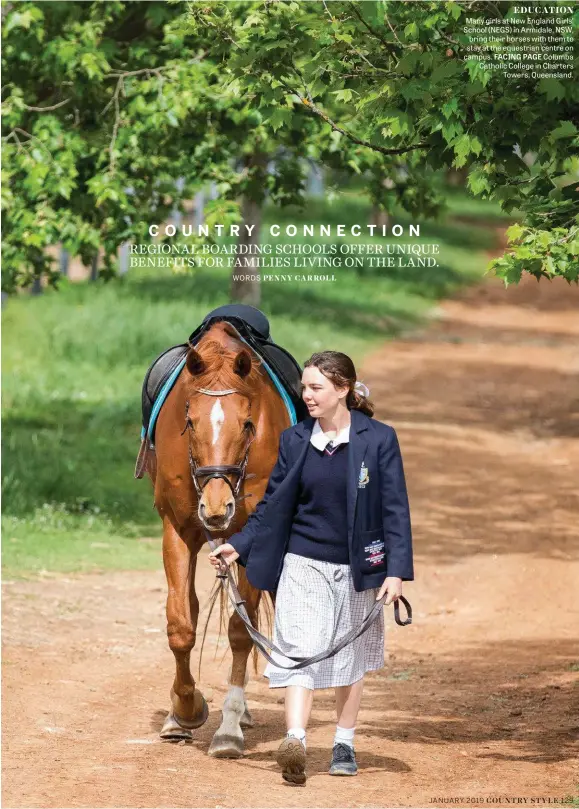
{"points": [[319, 438]]}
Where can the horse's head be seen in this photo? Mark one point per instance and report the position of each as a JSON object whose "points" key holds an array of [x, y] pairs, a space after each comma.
{"points": [[220, 427]]}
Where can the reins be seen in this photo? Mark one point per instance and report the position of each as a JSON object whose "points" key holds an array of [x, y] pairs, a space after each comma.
{"points": [[263, 643], [226, 575]]}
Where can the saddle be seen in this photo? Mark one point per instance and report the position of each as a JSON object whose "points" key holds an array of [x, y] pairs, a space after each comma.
{"points": [[253, 329]]}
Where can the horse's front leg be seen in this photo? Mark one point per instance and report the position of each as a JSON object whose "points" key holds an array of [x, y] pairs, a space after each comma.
{"points": [[188, 707], [227, 741]]}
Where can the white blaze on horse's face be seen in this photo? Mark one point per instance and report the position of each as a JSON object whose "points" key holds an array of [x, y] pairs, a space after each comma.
{"points": [[217, 419]]}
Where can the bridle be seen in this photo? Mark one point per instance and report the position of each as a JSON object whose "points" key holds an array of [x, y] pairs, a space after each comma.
{"points": [[225, 572], [220, 471]]}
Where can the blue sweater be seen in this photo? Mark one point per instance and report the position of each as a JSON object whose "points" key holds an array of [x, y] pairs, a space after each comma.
{"points": [[320, 524]]}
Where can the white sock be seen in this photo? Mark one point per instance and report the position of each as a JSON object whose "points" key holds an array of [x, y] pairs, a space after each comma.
{"points": [[345, 736], [299, 733]]}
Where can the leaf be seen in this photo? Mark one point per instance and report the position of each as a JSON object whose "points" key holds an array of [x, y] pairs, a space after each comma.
{"points": [[408, 63], [252, 19], [18, 20], [477, 72], [455, 10], [449, 107], [451, 130], [90, 63], [552, 88], [343, 95], [475, 146], [478, 182], [445, 71], [411, 31], [462, 148], [280, 117], [398, 120], [566, 129], [515, 232]]}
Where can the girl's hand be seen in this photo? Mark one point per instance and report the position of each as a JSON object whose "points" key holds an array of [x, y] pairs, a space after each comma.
{"points": [[227, 553], [393, 586]]}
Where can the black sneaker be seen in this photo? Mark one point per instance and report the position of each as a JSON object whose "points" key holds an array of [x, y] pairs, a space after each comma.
{"points": [[343, 760]]}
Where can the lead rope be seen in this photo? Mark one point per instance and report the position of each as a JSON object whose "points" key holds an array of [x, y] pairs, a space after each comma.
{"points": [[264, 643]]}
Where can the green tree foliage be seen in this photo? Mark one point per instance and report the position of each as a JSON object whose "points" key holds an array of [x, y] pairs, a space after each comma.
{"points": [[393, 81], [106, 106], [98, 104]]}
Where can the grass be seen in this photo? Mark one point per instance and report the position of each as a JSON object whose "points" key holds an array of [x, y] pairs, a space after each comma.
{"points": [[74, 361]]}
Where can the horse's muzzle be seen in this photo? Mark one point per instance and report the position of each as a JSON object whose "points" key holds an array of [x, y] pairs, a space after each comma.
{"points": [[217, 522]]}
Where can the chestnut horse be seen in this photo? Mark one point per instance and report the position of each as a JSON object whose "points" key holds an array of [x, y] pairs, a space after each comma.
{"points": [[222, 403]]}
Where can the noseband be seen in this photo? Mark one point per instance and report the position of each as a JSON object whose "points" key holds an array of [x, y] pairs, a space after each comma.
{"points": [[220, 471]]}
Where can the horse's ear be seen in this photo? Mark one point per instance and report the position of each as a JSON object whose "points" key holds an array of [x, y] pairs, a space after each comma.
{"points": [[194, 362], [242, 363]]}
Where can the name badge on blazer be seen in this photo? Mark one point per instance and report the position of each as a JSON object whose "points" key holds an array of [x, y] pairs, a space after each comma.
{"points": [[374, 553], [363, 477]]}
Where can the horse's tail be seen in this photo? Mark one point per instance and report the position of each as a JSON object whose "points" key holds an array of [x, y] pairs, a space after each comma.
{"points": [[265, 604]]}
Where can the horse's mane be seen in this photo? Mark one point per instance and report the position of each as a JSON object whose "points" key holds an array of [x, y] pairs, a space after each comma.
{"points": [[219, 365]]}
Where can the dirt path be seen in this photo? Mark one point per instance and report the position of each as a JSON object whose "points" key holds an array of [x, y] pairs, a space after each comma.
{"points": [[480, 695]]}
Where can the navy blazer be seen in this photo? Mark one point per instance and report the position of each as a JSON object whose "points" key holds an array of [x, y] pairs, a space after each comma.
{"points": [[379, 531]]}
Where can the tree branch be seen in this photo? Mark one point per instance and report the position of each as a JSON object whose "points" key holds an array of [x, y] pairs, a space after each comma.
{"points": [[391, 27], [156, 71], [374, 33], [47, 109], [311, 105], [448, 39], [352, 48], [328, 12], [30, 137]]}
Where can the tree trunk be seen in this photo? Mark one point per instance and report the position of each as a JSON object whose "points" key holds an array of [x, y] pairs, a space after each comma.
{"points": [[247, 287], [64, 260], [379, 217], [316, 180], [199, 208], [36, 288], [457, 177], [124, 255]]}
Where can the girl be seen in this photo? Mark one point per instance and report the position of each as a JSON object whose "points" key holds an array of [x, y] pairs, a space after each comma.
{"points": [[332, 534]]}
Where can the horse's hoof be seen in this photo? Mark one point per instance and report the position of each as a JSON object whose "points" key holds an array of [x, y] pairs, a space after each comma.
{"points": [[202, 719], [246, 720], [172, 731], [226, 747], [177, 729]]}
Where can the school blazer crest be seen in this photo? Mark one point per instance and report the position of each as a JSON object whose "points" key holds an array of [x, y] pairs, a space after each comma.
{"points": [[378, 513]]}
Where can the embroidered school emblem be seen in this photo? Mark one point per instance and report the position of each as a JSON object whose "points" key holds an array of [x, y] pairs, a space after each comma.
{"points": [[363, 477]]}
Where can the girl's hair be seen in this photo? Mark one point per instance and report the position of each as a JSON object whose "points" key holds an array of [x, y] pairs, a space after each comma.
{"points": [[340, 370]]}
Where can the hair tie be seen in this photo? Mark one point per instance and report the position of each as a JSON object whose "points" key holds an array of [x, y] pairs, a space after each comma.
{"points": [[361, 388]]}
